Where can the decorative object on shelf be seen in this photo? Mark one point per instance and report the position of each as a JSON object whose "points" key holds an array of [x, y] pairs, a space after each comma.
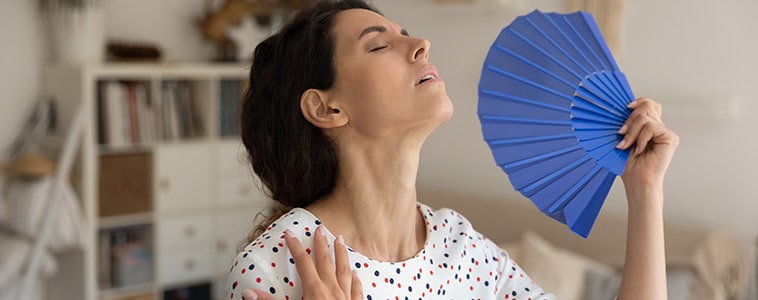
{"points": [[215, 25], [132, 51], [30, 166], [76, 30], [26, 158], [551, 101]]}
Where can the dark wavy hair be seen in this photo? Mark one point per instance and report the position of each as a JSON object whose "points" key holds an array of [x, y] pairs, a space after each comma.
{"points": [[294, 160]]}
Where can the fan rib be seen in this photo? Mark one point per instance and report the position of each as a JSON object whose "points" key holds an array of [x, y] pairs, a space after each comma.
{"points": [[584, 111], [531, 139], [528, 82], [556, 46], [543, 156], [523, 120], [581, 124], [542, 51], [589, 48], [584, 135], [571, 41], [598, 96], [563, 201], [537, 184], [511, 98], [609, 86], [621, 78], [535, 65], [599, 40]]}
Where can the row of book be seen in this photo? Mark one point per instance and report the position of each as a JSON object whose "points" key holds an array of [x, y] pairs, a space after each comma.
{"points": [[129, 115]]}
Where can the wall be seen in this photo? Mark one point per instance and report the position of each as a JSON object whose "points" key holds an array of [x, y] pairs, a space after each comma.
{"points": [[22, 50]]}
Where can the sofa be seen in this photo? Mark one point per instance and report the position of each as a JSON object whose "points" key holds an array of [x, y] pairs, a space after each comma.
{"points": [[702, 263]]}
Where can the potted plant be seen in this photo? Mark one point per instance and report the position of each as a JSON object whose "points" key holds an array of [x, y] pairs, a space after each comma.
{"points": [[75, 30]]}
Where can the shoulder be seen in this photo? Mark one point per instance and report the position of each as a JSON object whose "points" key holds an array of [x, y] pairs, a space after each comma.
{"points": [[265, 263], [452, 230]]}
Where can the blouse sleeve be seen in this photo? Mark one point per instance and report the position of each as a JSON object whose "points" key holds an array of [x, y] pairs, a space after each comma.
{"points": [[246, 273], [514, 283]]}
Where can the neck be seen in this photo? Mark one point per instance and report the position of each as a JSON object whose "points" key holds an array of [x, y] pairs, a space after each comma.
{"points": [[373, 205]]}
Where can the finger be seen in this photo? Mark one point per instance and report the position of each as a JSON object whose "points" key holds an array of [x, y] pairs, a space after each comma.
{"points": [[632, 127], [342, 264], [324, 263], [642, 107], [303, 261], [249, 295], [256, 294], [356, 291], [646, 134], [648, 107]]}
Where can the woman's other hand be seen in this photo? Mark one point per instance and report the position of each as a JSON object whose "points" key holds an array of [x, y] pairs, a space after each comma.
{"points": [[324, 278]]}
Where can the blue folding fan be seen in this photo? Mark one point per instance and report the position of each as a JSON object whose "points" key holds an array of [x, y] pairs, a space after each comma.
{"points": [[551, 101]]}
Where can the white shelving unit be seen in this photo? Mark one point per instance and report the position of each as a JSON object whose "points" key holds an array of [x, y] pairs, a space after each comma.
{"points": [[203, 195]]}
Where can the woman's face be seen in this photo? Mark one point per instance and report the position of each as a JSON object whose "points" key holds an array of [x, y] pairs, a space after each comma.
{"points": [[385, 83]]}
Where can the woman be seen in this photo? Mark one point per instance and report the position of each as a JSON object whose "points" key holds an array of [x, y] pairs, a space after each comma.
{"points": [[340, 102]]}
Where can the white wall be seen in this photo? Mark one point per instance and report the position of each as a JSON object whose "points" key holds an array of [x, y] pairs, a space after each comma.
{"points": [[22, 50]]}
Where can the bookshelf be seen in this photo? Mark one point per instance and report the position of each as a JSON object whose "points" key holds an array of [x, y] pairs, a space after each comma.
{"points": [[162, 177]]}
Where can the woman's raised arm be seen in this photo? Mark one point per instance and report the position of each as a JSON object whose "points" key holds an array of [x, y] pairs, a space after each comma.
{"points": [[644, 274]]}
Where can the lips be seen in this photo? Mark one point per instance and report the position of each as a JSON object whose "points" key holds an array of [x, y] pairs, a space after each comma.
{"points": [[428, 73]]}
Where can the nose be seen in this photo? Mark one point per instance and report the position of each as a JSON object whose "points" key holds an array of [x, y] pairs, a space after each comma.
{"points": [[420, 49]]}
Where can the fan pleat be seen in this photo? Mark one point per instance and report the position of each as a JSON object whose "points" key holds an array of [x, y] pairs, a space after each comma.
{"points": [[566, 197], [581, 214], [530, 178], [549, 72]]}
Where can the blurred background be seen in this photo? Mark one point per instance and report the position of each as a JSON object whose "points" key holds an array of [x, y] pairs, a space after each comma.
{"points": [[695, 57]]}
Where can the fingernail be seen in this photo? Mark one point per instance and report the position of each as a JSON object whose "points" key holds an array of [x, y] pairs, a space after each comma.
{"points": [[248, 295], [340, 240], [620, 145], [321, 231], [623, 129]]}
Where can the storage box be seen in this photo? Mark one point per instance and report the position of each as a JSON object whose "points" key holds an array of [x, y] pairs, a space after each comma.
{"points": [[125, 184]]}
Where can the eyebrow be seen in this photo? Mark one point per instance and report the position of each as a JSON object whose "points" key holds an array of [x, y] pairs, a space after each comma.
{"points": [[380, 29]]}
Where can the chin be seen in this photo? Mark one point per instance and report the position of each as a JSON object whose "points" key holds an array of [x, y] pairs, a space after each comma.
{"points": [[445, 110]]}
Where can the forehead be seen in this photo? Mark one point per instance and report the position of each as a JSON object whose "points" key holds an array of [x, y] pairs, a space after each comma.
{"points": [[349, 23]]}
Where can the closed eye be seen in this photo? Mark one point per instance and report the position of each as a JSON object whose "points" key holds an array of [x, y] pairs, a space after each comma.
{"points": [[377, 48]]}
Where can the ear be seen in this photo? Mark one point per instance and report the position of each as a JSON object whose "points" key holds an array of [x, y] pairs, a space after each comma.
{"points": [[315, 107]]}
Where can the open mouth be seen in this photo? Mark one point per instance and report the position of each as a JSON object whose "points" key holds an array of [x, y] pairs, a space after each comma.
{"points": [[426, 78]]}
